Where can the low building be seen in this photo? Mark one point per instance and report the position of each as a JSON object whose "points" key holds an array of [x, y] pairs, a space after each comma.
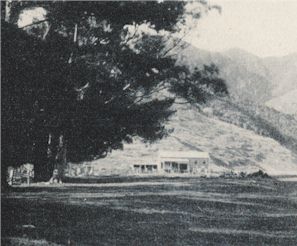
{"points": [[194, 162]]}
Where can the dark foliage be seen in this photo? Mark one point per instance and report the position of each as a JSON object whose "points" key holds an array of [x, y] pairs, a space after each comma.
{"points": [[31, 88], [55, 87], [85, 84], [259, 174]]}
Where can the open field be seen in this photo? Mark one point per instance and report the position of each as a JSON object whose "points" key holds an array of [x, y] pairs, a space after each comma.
{"points": [[176, 211]]}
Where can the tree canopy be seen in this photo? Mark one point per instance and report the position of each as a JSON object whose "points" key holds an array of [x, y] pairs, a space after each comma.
{"points": [[86, 75]]}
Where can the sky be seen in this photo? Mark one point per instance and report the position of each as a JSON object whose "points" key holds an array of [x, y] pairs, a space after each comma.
{"points": [[29, 16], [262, 27]]}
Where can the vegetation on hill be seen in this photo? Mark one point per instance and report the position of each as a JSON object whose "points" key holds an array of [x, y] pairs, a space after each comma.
{"points": [[257, 118], [286, 103]]}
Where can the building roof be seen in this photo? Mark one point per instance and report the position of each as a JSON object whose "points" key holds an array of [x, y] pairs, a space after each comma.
{"points": [[184, 160], [183, 154]]}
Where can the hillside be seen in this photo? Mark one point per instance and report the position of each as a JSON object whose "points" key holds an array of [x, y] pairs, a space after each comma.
{"points": [[286, 103], [239, 71], [248, 77], [230, 147], [283, 73], [260, 119]]}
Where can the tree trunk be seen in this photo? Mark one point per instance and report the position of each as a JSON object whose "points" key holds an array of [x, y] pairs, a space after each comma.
{"points": [[61, 161], [4, 184], [42, 159], [51, 157], [8, 10]]}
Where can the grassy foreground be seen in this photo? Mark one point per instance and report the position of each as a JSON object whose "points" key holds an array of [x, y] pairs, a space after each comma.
{"points": [[177, 211]]}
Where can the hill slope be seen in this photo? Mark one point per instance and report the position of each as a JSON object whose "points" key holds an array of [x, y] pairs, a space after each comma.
{"points": [[248, 77], [245, 75], [283, 73], [230, 147], [260, 119], [286, 103]]}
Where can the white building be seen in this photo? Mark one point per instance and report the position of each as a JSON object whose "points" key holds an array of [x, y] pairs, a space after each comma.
{"points": [[184, 162]]}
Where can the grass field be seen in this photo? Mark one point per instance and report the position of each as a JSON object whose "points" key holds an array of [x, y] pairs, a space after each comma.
{"points": [[176, 211]]}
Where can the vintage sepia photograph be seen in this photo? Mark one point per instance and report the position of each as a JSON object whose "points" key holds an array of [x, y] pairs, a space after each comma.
{"points": [[170, 123]]}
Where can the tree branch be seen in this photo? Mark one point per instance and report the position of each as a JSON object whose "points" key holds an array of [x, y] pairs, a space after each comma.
{"points": [[34, 23], [175, 44]]}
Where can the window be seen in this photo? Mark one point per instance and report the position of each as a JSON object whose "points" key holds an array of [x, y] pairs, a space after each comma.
{"points": [[167, 166], [183, 168], [174, 166]]}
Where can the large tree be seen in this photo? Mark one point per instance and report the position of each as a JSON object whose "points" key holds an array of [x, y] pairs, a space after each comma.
{"points": [[87, 79]]}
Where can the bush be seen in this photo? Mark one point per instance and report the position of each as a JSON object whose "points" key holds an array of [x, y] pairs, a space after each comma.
{"points": [[259, 174]]}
